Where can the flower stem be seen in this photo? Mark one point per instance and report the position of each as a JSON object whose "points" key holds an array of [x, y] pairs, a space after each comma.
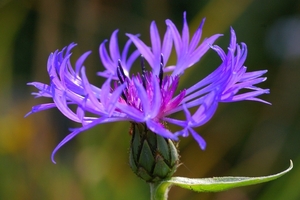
{"points": [[158, 195]]}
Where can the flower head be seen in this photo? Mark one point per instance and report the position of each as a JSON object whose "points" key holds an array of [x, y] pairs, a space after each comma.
{"points": [[149, 97]]}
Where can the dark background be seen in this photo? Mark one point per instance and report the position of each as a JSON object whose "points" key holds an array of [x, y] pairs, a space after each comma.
{"points": [[243, 139]]}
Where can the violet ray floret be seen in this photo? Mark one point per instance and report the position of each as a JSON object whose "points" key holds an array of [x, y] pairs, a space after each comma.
{"points": [[149, 97], [110, 60]]}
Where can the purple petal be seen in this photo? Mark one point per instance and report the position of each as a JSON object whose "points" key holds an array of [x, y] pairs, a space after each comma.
{"points": [[155, 42], [45, 90], [74, 133], [202, 49], [198, 138], [167, 45], [175, 121], [59, 99], [88, 90], [160, 130], [114, 98], [206, 110], [156, 101], [80, 61], [253, 75], [114, 47], [106, 60], [185, 34], [219, 51], [131, 112], [196, 38], [41, 107], [105, 91], [176, 36], [232, 45], [143, 97], [143, 49]]}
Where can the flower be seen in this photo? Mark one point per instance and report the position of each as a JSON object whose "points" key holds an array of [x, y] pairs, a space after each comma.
{"points": [[149, 97]]}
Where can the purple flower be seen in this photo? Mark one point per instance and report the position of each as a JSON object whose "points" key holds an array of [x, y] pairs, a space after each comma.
{"points": [[149, 97]]}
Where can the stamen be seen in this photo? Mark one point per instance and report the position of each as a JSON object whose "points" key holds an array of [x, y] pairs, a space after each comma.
{"points": [[122, 78], [161, 72], [120, 72], [143, 71]]}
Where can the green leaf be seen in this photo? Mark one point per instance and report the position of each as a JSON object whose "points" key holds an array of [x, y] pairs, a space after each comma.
{"points": [[212, 184]]}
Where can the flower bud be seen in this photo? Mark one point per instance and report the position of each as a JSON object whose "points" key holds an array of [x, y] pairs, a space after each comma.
{"points": [[152, 157]]}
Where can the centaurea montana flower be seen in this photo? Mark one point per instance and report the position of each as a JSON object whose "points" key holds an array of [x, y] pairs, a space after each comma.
{"points": [[149, 98]]}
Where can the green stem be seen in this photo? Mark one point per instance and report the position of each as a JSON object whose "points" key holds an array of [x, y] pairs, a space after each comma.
{"points": [[152, 191], [158, 195]]}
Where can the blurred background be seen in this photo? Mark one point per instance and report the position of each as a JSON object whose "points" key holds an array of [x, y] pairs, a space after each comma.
{"points": [[243, 139]]}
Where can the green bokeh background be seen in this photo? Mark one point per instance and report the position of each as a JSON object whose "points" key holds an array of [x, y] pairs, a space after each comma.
{"points": [[243, 139]]}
